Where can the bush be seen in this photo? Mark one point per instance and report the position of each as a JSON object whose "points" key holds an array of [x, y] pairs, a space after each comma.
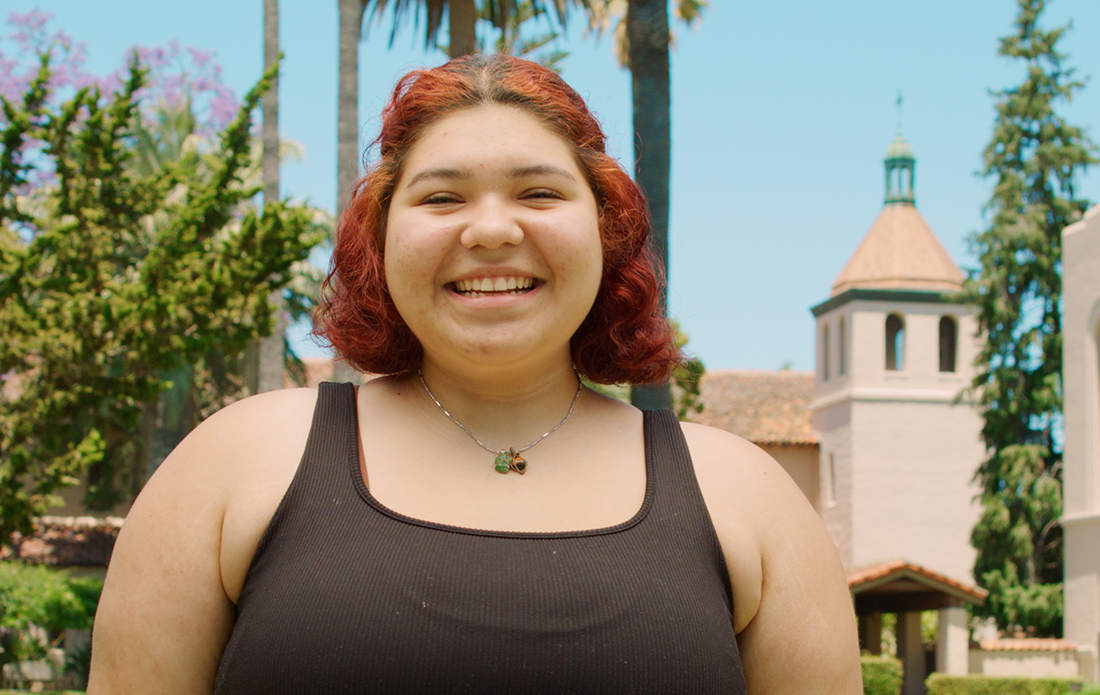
{"points": [[881, 675], [35, 599], [941, 684]]}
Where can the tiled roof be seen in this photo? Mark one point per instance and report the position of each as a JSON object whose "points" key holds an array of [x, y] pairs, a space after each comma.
{"points": [[901, 252], [763, 407], [66, 541], [1027, 644], [872, 576]]}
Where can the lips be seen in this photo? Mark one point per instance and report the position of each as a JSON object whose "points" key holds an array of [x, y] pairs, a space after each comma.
{"points": [[490, 286]]}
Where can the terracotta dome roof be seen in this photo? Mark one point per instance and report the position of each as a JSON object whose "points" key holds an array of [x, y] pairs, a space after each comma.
{"points": [[900, 252]]}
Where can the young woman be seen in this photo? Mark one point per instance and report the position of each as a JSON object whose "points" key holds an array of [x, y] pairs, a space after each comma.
{"points": [[476, 520]]}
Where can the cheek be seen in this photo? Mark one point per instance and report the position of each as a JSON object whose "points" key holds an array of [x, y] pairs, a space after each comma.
{"points": [[588, 260], [400, 262]]}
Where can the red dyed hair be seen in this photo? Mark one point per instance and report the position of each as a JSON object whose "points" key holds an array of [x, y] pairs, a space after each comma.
{"points": [[624, 338]]}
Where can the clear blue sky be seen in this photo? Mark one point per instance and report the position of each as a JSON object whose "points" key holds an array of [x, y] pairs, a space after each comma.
{"points": [[782, 112]]}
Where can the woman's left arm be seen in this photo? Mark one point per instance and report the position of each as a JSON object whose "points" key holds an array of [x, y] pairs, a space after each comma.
{"points": [[792, 609]]}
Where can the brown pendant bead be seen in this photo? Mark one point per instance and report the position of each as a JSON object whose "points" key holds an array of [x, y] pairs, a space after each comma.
{"points": [[518, 463]]}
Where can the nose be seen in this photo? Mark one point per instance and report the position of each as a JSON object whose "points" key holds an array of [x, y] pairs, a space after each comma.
{"points": [[492, 225]]}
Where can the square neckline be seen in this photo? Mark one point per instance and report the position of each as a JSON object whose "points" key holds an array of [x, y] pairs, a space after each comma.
{"points": [[649, 423]]}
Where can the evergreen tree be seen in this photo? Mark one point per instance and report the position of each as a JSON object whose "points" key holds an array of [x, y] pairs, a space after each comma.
{"points": [[110, 278], [1033, 158]]}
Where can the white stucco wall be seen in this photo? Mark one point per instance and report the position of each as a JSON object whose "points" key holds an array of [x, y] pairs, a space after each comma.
{"points": [[1081, 482], [1032, 664], [833, 427], [905, 453], [865, 323], [912, 489]]}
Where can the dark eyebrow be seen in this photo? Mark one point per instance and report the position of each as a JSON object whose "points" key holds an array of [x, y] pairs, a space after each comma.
{"points": [[537, 169], [450, 174]]}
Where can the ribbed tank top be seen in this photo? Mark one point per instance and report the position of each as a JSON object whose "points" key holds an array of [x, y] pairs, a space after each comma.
{"points": [[347, 596]]}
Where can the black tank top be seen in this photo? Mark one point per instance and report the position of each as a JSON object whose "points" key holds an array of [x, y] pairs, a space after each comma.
{"points": [[347, 596]]}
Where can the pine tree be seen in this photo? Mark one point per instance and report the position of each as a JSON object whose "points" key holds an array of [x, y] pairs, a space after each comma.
{"points": [[1033, 158]]}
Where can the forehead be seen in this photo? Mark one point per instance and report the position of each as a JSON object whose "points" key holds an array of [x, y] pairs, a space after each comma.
{"points": [[486, 134]]}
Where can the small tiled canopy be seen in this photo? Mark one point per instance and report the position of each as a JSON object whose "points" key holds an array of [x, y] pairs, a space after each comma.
{"points": [[900, 587]]}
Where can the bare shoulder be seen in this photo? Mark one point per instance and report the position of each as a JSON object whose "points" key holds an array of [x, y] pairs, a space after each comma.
{"points": [[165, 613], [712, 448], [741, 481], [795, 607], [236, 436]]}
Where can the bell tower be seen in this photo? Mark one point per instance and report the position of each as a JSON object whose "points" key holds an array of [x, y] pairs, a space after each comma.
{"points": [[895, 348]]}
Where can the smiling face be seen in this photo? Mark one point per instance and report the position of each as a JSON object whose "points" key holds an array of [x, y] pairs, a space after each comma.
{"points": [[492, 249]]}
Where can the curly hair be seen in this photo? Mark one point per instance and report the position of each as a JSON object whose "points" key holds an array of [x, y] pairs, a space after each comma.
{"points": [[623, 339]]}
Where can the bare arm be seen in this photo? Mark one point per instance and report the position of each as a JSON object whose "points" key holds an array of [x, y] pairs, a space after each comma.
{"points": [[792, 609], [165, 615]]}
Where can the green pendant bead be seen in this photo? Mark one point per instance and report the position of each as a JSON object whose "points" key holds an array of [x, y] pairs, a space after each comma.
{"points": [[503, 462]]}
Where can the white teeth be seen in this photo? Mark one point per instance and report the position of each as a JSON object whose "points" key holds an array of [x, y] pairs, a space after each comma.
{"points": [[476, 287]]}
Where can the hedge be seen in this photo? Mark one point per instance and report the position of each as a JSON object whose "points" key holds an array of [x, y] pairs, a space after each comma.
{"points": [[51, 599], [881, 675], [942, 684]]}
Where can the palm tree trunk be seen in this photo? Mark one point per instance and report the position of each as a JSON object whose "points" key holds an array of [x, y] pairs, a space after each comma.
{"points": [[347, 123], [462, 19], [272, 351], [647, 36]]}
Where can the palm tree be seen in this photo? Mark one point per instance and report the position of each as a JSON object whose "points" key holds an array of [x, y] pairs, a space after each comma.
{"points": [[608, 15], [643, 45], [648, 46], [347, 122], [271, 355]]}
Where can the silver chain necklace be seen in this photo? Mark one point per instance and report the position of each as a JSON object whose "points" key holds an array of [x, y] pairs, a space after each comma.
{"points": [[507, 459]]}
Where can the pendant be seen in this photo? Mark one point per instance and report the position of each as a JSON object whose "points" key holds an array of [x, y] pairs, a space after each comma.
{"points": [[510, 461]]}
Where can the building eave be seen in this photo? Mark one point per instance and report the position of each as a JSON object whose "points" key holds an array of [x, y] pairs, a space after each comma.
{"points": [[881, 295]]}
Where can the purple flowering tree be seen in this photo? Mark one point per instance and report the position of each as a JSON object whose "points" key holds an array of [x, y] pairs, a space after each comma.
{"points": [[177, 76]]}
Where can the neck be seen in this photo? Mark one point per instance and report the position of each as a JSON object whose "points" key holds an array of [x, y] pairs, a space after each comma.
{"points": [[501, 412]]}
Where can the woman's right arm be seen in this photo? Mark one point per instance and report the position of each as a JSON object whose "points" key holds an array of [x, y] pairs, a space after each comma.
{"points": [[165, 616]]}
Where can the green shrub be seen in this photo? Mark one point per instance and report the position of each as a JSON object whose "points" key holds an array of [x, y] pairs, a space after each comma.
{"points": [[941, 684], [32, 595], [881, 675]]}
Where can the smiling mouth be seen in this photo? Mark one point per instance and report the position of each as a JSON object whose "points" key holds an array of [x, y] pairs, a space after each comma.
{"points": [[493, 286]]}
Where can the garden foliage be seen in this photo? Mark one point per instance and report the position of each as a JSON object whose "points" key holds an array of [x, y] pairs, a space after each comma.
{"points": [[112, 276], [882, 675], [942, 684], [49, 599]]}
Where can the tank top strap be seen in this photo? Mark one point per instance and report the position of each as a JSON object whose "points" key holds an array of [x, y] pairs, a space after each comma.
{"points": [[323, 478], [664, 442], [333, 439], [678, 502]]}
